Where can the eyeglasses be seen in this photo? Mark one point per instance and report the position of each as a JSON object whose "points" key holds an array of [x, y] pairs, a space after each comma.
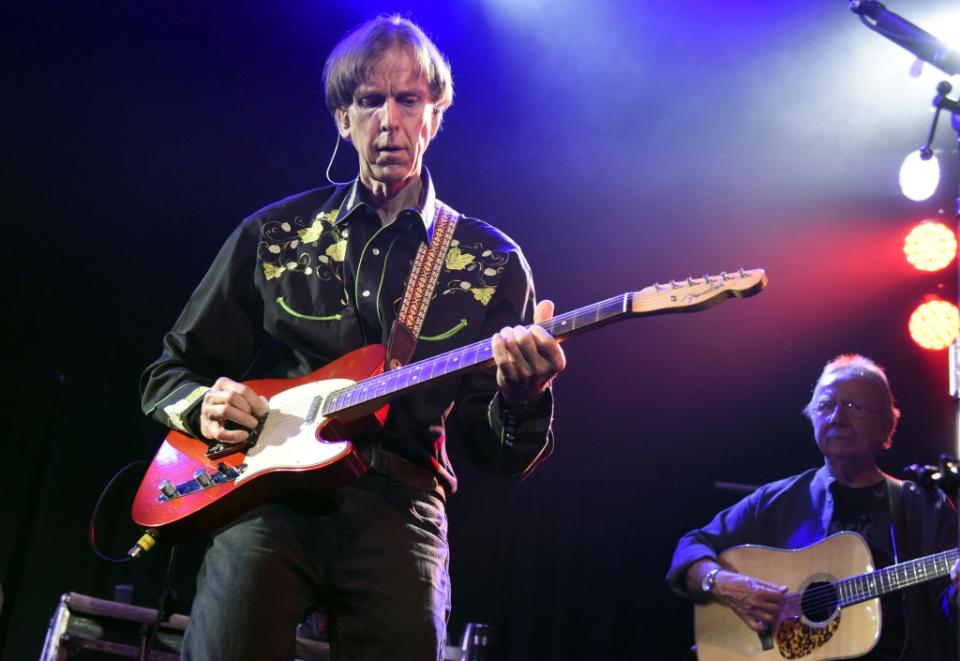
{"points": [[853, 408]]}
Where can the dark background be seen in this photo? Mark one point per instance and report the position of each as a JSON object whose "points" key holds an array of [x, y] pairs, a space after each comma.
{"points": [[621, 143]]}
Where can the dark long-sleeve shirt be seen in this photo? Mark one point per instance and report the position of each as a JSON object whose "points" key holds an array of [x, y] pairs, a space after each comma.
{"points": [[316, 275]]}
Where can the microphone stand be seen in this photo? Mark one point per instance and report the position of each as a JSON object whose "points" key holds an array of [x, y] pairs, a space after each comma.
{"points": [[948, 469], [933, 51]]}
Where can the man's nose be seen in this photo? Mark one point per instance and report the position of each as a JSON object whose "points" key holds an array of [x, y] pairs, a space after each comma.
{"points": [[839, 413], [389, 115]]}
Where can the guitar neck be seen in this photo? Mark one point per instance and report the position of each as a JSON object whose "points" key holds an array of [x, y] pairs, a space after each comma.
{"points": [[687, 295], [474, 356], [860, 588]]}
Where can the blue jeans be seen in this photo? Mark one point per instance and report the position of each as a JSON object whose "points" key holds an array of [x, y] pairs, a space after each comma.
{"points": [[374, 554]]}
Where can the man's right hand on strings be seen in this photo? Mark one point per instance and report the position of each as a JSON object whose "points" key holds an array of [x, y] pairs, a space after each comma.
{"points": [[230, 402]]}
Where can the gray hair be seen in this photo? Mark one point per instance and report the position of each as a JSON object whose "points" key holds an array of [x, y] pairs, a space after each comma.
{"points": [[351, 60], [862, 367]]}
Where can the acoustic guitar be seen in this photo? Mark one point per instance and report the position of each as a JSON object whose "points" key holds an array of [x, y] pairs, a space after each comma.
{"points": [[832, 609]]}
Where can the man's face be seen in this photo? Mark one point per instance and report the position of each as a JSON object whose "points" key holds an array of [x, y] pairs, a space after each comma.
{"points": [[390, 122], [849, 420]]}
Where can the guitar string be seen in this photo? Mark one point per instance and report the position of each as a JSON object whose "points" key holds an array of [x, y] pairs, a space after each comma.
{"points": [[825, 594], [602, 311], [605, 310], [617, 303], [831, 594], [381, 385]]}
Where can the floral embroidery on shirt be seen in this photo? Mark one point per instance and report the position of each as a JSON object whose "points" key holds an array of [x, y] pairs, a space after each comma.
{"points": [[337, 251], [457, 260], [481, 269], [308, 246]]}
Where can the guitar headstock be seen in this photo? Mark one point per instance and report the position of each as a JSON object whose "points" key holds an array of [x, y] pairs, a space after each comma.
{"points": [[697, 293]]}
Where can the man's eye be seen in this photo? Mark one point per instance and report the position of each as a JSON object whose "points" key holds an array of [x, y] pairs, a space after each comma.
{"points": [[371, 101]]}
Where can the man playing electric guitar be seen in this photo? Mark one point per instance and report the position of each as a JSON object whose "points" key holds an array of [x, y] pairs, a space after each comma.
{"points": [[853, 414], [309, 279]]}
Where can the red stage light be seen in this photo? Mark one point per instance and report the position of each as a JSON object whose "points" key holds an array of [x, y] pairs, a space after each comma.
{"points": [[934, 324], [930, 246]]}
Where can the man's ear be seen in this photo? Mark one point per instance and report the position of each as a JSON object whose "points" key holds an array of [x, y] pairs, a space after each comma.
{"points": [[343, 122], [436, 120]]}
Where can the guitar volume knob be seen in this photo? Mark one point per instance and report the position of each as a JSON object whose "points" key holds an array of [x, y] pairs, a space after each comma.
{"points": [[167, 489]]}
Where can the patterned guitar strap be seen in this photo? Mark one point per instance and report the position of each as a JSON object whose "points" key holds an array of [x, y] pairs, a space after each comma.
{"points": [[424, 275]]}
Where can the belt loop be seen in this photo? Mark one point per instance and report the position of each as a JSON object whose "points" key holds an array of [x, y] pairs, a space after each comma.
{"points": [[373, 456], [387, 465]]}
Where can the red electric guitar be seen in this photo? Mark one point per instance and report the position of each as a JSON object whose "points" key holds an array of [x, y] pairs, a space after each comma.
{"points": [[192, 487]]}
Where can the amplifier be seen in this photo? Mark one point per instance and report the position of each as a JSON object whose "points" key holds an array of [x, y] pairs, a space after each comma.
{"points": [[85, 628]]}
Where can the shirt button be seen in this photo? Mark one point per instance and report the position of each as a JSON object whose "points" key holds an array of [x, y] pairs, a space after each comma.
{"points": [[376, 251], [365, 293]]}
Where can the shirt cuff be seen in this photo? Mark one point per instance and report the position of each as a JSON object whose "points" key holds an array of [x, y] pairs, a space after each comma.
{"points": [[182, 413], [512, 424]]}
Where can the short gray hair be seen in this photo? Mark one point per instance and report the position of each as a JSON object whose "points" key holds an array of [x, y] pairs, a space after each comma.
{"points": [[863, 367], [351, 60]]}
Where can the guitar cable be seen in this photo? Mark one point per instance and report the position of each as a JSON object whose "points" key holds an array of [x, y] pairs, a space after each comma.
{"points": [[146, 541]]}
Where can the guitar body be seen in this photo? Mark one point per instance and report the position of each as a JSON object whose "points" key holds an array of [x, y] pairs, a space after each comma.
{"points": [[839, 634], [291, 455]]}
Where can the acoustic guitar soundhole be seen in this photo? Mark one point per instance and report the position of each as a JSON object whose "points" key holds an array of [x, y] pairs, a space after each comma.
{"points": [[819, 601]]}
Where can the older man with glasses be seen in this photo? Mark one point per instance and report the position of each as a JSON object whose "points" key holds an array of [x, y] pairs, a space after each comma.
{"points": [[854, 417]]}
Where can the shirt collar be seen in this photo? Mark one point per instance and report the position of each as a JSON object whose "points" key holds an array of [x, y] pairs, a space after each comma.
{"points": [[426, 211], [824, 478]]}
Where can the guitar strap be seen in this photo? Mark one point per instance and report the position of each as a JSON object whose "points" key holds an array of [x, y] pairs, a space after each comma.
{"points": [[898, 523], [902, 548], [424, 275]]}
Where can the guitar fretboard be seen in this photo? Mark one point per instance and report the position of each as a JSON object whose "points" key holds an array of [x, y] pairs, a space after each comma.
{"points": [[478, 354], [860, 588]]}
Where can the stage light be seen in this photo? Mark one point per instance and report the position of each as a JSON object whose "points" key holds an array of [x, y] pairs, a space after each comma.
{"points": [[930, 246], [935, 324], [919, 175]]}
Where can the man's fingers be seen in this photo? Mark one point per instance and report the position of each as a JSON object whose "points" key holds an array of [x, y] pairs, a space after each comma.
{"points": [[242, 396], [229, 410], [543, 312], [549, 349], [752, 622], [773, 587], [533, 351]]}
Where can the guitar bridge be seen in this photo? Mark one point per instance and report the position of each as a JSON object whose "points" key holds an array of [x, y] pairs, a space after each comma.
{"points": [[201, 480]]}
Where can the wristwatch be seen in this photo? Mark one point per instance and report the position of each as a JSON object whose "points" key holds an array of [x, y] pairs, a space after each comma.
{"points": [[709, 580]]}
